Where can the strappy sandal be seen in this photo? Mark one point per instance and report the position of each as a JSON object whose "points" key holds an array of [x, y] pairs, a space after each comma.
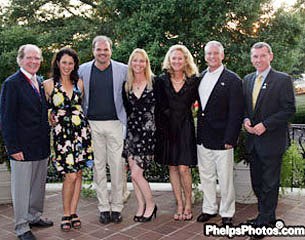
{"points": [[187, 215], [75, 222], [65, 223]]}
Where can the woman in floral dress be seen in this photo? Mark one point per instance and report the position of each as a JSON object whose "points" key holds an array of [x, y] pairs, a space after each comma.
{"points": [[139, 102], [71, 131]]}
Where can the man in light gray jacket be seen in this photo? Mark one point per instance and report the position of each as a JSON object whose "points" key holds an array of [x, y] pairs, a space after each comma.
{"points": [[103, 79]]}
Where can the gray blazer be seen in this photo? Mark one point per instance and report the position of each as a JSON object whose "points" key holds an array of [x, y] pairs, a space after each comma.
{"points": [[119, 76]]}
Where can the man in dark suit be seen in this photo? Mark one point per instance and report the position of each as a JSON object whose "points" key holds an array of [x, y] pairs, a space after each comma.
{"points": [[270, 102], [25, 131], [219, 121]]}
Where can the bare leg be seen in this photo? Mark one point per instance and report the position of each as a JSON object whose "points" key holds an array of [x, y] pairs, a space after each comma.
{"points": [[176, 185], [137, 191], [77, 190], [186, 181], [68, 191], [143, 186]]}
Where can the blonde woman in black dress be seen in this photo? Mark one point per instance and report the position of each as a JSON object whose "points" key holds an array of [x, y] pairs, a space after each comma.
{"points": [[176, 91], [139, 102]]}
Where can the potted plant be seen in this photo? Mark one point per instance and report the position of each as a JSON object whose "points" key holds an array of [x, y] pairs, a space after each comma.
{"points": [[242, 180], [5, 176]]}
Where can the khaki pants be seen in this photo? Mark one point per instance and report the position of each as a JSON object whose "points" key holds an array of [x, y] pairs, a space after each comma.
{"points": [[217, 164], [107, 137]]}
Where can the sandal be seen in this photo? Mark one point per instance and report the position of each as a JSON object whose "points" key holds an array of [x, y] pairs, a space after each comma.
{"points": [[75, 222], [187, 215], [178, 216], [65, 223]]}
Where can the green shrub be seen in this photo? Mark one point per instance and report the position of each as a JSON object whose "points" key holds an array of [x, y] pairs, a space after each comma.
{"points": [[293, 168]]}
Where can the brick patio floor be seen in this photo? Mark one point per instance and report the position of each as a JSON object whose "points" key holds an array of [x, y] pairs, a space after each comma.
{"points": [[291, 209]]}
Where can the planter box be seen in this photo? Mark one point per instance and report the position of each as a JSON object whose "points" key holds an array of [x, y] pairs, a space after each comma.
{"points": [[242, 183], [5, 185]]}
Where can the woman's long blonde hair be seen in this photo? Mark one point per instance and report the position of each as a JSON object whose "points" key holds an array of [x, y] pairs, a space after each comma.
{"points": [[190, 67], [130, 75]]}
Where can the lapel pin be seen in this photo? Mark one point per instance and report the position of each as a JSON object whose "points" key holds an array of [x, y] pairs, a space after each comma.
{"points": [[222, 83], [264, 86]]}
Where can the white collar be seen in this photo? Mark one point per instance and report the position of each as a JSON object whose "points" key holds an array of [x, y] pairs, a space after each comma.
{"points": [[27, 74]]}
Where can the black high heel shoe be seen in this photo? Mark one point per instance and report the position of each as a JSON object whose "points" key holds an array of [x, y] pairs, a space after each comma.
{"points": [[138, 218], [148, 219]]}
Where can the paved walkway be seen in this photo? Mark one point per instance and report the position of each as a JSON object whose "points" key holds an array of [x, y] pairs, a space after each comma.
{"points": [[291, 209]]}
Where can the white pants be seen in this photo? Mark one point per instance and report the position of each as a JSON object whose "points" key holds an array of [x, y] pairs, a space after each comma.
{"points": [[107, 137], [216, 164]]}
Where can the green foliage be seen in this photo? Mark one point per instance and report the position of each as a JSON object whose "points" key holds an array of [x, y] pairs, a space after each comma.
{"points": [[293, 168], [299, 116], [198, 194], [3, 154], [240, 153], [88, 192], [154, 25]]}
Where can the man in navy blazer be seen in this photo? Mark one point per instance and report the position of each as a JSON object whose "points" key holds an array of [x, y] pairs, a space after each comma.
{"points": [[103, 105], [219, 122], [25, 130], [267, 112]]}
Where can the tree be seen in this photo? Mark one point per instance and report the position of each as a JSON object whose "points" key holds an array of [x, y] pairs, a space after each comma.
{"points": [[154, 25]]}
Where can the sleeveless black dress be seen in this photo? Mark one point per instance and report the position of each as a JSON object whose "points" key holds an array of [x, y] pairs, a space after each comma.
{"points": [[175, 135]]}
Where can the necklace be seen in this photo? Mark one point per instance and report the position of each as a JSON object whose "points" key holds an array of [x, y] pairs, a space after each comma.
{"points": [[138, 85], [177, 82]]}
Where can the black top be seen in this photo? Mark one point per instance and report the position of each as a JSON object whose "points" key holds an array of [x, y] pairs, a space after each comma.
{"points": [[101, 102], [176, 143]]}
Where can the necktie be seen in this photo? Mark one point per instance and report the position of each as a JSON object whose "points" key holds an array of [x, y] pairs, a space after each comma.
{"points": [[256, 89], [35, 83]]}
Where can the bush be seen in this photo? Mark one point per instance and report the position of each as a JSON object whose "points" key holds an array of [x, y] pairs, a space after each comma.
{"points": [[293, 168], [3, 153]]}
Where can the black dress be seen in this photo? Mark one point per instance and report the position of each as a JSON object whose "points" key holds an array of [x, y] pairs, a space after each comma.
{"points": [[140, 140], [175, 135]]}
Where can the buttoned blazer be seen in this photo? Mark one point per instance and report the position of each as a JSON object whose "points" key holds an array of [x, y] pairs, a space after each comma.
{"points": [[119, 71], [274, 107], [24, 118], [220, 122]]}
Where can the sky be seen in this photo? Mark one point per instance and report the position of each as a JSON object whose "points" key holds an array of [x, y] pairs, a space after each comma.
{"points": [[277, 3]]}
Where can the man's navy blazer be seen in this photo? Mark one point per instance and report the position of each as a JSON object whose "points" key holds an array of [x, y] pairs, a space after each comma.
{"points": [[275, 105], [24, 118], [220, 122]]}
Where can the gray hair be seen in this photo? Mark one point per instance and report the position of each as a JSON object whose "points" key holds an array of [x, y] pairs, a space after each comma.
{"points": [[261, 45], [101, 39], [23, 48], [214, 43]]}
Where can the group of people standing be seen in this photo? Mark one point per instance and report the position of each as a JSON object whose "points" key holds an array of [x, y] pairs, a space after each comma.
{"points": [[115, 110]]}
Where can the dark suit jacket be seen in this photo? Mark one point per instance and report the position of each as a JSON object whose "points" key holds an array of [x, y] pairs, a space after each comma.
{"points": [[275, 105], [24, 118], [220, 122]]}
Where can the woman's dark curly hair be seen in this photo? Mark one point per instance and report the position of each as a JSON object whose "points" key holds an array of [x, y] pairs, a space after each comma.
{"points": [[55, 71]]}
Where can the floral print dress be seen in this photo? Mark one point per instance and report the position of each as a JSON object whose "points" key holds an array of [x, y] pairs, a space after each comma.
{"points": [[71, 133], [140, 140]]}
